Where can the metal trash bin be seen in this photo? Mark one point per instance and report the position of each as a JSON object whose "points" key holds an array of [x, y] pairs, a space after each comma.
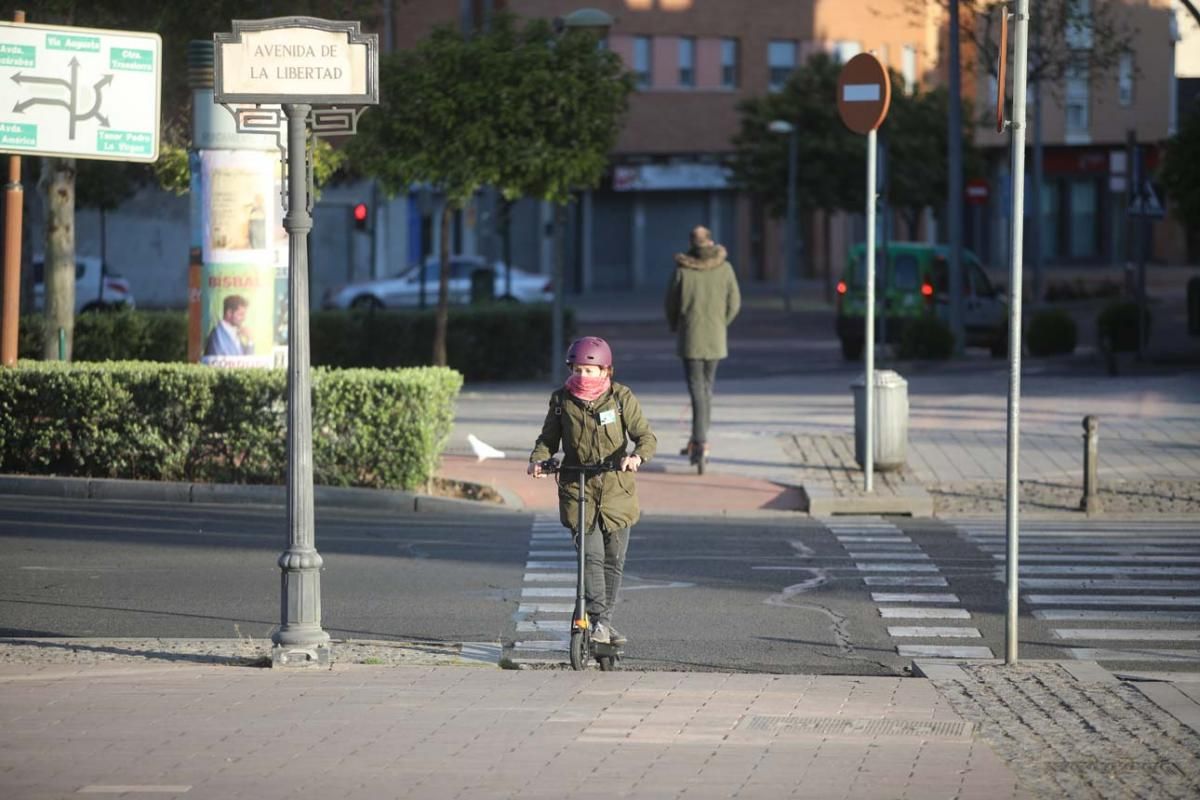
{"points": [[483, 285], [891, 420]]}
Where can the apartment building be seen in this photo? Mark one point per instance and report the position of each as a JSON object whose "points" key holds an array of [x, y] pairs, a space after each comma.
{"points": [[1088, 122], [696, 60]]}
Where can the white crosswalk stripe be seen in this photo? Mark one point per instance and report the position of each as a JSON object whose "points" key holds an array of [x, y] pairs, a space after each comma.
{"points": [[1115, 576], [881, 547], [543, 617]]}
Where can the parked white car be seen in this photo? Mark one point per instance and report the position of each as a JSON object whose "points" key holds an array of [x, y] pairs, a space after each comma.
{"points": [[404, 290], [97, 287]]}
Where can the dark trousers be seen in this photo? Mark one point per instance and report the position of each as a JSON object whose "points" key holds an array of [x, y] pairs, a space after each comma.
{"points": [[701, 374], [603, 568]]}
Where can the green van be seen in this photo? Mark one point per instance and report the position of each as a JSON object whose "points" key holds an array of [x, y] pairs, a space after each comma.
{"points": [[913, 279]]}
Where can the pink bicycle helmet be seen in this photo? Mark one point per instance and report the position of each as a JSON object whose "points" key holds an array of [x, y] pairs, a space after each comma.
{"points": [[590, 350]]}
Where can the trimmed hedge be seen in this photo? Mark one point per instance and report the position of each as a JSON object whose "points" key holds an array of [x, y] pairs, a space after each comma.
{"points": [[1051, 332], [118, 335], [498, 341], [927, 337], [184, 422]]}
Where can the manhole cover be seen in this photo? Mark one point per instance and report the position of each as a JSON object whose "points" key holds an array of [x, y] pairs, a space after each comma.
{"points": [[847, 726]]}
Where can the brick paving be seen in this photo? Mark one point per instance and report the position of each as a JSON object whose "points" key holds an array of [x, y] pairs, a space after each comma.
{"points": [[422, 732], [1070, 737]]}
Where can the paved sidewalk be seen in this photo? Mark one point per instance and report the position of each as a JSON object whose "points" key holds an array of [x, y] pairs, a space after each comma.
{"points": [[444, 732], [1149, 438]]}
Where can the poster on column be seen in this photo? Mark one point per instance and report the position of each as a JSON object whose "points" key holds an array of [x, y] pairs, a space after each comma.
{"points": [[242, 246]]}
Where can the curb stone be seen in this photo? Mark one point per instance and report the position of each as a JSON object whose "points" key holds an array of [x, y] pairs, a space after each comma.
{"points": [[227, 493]]}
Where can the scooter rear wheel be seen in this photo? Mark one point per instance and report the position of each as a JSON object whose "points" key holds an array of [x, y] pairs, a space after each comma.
{"points": [[579, 650], [607, 663]]}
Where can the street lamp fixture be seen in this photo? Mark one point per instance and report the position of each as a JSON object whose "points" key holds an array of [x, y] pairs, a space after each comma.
{"points": [[785, 128], [591, 20]]}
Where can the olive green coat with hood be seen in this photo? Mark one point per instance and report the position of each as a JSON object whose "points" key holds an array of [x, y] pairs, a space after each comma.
{"points": [[702, 299], [595, 433]]}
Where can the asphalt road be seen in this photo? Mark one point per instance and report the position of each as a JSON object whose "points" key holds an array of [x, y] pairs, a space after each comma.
{"points": [[772, 593]]}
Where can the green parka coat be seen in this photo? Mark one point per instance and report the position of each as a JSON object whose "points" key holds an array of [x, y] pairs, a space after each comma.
{"points": [[595, 433], [702, 299]]}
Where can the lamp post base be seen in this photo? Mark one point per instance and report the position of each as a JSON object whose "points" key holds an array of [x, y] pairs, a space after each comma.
{"points": [[300, 655]]}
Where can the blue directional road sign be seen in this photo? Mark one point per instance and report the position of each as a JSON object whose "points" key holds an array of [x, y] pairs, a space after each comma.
{"points": [[79, 92]]}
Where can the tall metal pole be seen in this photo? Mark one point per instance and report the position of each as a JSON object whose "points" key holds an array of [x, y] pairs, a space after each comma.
{"points": [[954, 196], [869, 350], [14, 197], [1035, 207], [1013, 488], [789, 268], [300, 638]]}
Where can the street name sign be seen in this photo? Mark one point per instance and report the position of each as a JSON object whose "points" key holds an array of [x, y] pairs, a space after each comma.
{"points": [[296, 60], [864, 93], [79, 92]]}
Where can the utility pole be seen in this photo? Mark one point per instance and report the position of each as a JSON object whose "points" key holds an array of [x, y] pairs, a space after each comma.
{"points": [[954, 196]]}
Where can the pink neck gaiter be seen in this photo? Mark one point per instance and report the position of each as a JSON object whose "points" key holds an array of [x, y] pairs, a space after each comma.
{"points": [[587, 388]]}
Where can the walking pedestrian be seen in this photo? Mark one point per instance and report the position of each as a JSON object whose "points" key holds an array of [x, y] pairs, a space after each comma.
{"points": [[702, 300]]}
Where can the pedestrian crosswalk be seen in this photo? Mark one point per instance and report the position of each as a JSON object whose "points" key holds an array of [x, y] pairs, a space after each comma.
{"points": [[886, 557], [1113, 585], [543, 617]]}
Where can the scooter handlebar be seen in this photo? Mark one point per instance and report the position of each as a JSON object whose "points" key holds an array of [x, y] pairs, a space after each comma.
{"points": [[552, 465]]}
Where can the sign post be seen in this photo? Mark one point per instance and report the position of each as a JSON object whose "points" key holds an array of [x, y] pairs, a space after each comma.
{"points": [[1144, 204], [864, 94], [1013, 487], [322, 73], [75, 93]]}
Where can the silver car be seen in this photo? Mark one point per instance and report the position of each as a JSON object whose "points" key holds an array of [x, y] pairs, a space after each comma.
{"points": [[404, 290]]}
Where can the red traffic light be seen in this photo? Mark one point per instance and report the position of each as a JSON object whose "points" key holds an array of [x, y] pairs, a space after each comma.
{"points": [[360, 212]]}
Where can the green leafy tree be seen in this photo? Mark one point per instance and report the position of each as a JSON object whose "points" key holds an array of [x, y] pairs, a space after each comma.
{"points": [[1181, 174], [515, 108], [830, 167], [915, 130]]}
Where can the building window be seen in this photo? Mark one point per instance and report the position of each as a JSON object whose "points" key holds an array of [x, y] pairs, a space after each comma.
{"points": [[781, 61], [1125, 79], [1079, 24], [729, 63], [641, 61], [1077, 100], [908, 68], [844, 51], [687, 62]]}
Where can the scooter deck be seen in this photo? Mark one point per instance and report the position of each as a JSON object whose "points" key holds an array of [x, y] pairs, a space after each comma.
{"points": [[606, 650]]}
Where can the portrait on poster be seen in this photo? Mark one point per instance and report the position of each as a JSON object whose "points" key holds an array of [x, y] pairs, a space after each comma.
{"points": [[238, 315]]}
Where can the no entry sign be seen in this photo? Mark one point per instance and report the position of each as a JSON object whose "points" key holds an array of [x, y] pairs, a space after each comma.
{"points": [[978, 192], [864, 93]]}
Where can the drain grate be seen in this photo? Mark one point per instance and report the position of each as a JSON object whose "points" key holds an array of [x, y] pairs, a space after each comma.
{"points": [[848, 726]]}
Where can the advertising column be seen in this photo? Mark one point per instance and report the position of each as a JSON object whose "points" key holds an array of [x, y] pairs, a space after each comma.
{"points": [[238, 310]]}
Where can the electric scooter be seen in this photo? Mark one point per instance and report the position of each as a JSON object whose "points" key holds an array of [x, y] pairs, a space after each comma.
{"points": [[583, 649]]}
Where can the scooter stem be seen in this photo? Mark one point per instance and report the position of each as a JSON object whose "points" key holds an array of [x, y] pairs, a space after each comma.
{"points": [[580, 601]]}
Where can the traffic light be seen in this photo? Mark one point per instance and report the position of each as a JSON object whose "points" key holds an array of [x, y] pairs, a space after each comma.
{"points": [[360, 216]]}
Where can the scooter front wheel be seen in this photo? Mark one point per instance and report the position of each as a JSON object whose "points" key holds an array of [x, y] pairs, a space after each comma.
{"points": [[580, 647]]}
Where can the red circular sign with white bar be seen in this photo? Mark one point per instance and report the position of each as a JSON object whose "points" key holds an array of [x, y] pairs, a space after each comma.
{"points": [[864, 93]]}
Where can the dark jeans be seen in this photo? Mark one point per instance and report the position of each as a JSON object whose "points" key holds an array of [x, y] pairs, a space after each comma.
{"points": [[603, 567], [701, 375]]}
